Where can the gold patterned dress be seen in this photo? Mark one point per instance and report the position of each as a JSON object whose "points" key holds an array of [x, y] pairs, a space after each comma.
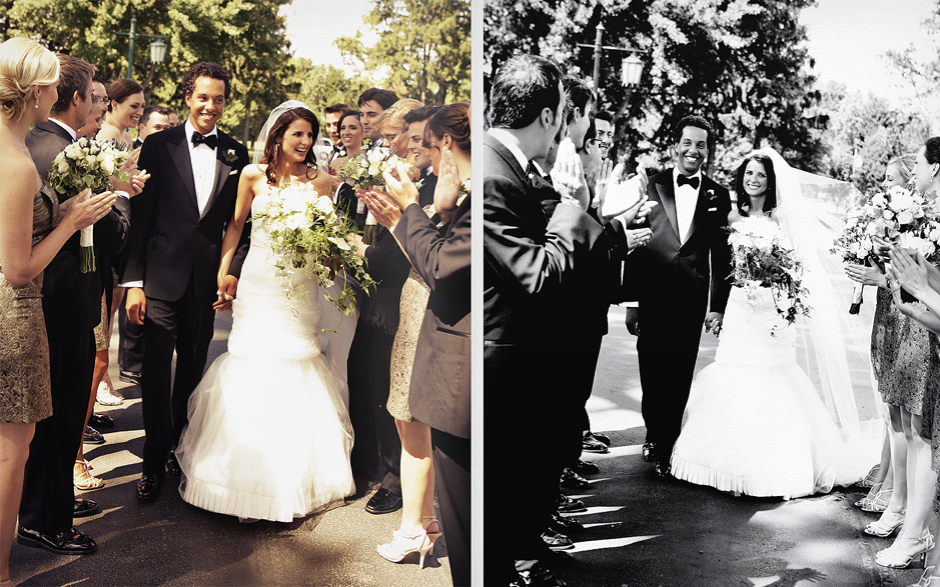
{"points": [[414, 302], [25, 393]]}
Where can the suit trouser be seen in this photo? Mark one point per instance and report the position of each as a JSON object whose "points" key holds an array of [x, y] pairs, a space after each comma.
{"points": [[452, 485], [589, 351], [369, 376], [670, 332], [48, 495], [131, 349], [185, 325], [527, 390]]}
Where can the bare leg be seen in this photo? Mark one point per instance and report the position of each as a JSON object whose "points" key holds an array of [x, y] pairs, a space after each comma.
{"points": [[899, 461], [101, 368], [14, 450], [417, 475]]}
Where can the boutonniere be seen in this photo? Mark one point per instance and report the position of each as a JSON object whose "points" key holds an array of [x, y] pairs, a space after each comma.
{"points": [[465, 188], [230, 156], [711, 195], [420, 183]]}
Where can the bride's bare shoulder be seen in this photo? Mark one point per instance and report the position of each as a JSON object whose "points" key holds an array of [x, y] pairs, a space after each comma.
{"points": [[734, 216]]}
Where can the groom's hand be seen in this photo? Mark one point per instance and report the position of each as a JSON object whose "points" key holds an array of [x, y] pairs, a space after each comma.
{"points": [[633, 321], [226, 292], [136, 305], [713, 322]]}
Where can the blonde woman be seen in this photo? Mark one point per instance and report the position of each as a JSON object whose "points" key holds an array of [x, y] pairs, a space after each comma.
{"points": [[33, 227]]}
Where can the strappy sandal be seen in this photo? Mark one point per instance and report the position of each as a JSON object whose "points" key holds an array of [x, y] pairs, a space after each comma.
{"points": [[106, 395], [85, 481]]}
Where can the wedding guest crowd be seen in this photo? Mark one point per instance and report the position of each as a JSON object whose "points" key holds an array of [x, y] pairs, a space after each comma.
{"points": [[407, 370], [544, 245]]}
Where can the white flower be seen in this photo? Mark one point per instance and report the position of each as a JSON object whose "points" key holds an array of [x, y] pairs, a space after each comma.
{"points": [[888, 215], [72, 151], [341, 243], [63, 166], [324, 205], [879, 200], [901, 201], [905, 217], [296, 220]]}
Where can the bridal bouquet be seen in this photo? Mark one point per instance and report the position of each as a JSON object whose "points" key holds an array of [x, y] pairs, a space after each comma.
{"points": [[365, 170], [86, 164], [309, 238], [896, 214], [763, 259]]}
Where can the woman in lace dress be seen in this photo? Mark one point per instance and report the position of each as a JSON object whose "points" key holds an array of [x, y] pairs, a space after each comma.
{"points": [[29, 239]]}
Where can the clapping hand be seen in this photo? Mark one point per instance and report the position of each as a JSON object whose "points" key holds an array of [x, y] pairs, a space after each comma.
{"points": [[624, 195], [908, 270], [568, 176], [386, 212], [601, 180], [447, 192], [401, 188], [866, 275], [638, 237]]}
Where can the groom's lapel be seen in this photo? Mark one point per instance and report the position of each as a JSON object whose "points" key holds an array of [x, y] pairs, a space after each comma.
{"points": [[668, 200], [222, 169], [179, 153]]}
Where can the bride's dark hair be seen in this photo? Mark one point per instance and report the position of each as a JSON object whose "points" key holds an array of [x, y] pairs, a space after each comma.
{"points": [[770, 202], [272, 152]]}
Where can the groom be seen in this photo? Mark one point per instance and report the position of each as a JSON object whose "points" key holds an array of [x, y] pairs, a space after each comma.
{"points": [[682, 273], [174, 252]]}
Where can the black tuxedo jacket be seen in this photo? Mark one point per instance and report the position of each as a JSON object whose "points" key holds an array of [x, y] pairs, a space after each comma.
{"points": [[71, 300], [440, 390], [528, 256], [668, 268], [170, 243]]}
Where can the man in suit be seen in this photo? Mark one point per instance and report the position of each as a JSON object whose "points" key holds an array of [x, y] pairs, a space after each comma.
{"points": [[71, 309], [417, 120], [372, 103], [681, 274], [440, 380], [175, 248], [528, 257]]}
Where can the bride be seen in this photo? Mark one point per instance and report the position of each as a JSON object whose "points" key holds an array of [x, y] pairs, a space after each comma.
{"points": [[269, 434], [756, 423]]}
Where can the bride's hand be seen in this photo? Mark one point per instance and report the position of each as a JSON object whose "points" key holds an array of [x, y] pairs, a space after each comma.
{"points": [[713, 322], [227, 291]]}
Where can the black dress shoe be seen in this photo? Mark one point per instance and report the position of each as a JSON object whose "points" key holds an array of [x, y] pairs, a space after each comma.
{"points": [[571, 480], [148, 487], [84, 507], [101, 420], [173, 465], [566, 505], [130, 376], [539, 577], [70, 542], [649, 452], [589, 444], [598, 437], [556, 540], [585, 468], [565, 524], [92, 436], [663, 470], [383, 502]]}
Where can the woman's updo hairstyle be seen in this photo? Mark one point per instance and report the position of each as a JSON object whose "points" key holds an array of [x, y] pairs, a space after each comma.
{"points": [[453, 120], [121, 90], [905, 166], [24, 64], [770, 201], [932, 150]]}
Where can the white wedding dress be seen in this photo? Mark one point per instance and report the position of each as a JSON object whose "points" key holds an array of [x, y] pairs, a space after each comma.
{"points": [[269, 435], [755, 423]]}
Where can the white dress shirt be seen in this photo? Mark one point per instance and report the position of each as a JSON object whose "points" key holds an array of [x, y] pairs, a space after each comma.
{"points": [[67, 128], [202, 159], [686, 200]]}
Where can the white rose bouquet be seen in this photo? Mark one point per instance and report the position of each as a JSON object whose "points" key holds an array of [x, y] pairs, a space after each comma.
{"points": [[308, 237], [365, 170], [763, 259], [896, 214], [87, 164]]}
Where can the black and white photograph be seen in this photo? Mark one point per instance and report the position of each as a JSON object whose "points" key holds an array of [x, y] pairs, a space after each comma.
{"points": [[235, 293], [710, 248]]}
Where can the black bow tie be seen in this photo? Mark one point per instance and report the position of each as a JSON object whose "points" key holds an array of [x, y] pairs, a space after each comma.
{"points": [[211, 141], [683, 180]]}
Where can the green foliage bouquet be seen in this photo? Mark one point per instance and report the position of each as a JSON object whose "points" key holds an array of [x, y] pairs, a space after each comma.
{"points": [[87, 164], [763, 260], [309, 238], [365, 170]]}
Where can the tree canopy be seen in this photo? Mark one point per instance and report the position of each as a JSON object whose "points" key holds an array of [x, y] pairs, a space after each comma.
{"points": [[740, 63], [423, 51]]}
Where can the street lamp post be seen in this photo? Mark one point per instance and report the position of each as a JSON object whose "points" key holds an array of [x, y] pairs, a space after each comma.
{"points": [[157, 47]]}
